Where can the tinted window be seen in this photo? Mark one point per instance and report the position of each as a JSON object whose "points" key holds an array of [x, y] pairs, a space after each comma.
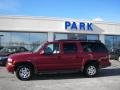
{"points": [[94, 47], [69, 47], [98, 47], [86, 47], [22, 49]]}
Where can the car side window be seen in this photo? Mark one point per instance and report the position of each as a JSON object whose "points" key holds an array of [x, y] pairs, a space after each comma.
{"points": [[98, 47], [93, 47], [86, 47], [69, 48], [22, 49], [52, 49]]}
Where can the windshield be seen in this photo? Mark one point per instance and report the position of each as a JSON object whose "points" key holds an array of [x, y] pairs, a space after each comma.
{"points": [[8, 50], [39, 47]]}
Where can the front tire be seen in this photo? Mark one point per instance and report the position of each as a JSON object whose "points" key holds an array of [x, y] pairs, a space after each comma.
{"points": [[90, 70], [24, 72]]}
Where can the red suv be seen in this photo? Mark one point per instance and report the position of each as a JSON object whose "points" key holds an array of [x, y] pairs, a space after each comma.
{"points": [[61, 55]]}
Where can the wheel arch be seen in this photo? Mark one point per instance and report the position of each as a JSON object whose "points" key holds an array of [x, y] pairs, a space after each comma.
{"points": [[96, 62], [24, 63]]}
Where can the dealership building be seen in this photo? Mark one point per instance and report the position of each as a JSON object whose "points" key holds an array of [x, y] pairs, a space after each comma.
{"points": [[32, 31]]}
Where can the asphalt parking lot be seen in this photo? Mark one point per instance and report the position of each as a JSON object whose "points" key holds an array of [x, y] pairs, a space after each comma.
{"points": [[108, 79]]}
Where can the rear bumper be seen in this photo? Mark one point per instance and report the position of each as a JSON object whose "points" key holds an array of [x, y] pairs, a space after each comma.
{"points": [[10, 68]]}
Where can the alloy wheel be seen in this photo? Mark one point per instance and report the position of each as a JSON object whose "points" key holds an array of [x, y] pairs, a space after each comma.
{"points": [[91, 70], [24, 72]]}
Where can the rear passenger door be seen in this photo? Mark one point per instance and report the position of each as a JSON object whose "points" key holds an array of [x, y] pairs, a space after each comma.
{"points": [[69, 57]]}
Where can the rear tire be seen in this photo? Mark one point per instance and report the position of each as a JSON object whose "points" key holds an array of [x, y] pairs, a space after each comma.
{"points": [[24, 72], [90, 70]]}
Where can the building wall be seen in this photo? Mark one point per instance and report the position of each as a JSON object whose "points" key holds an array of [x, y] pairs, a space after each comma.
{"points": [[41, 24]]}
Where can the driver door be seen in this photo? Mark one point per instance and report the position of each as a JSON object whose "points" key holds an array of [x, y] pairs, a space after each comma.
{"points": [[50, 59]]}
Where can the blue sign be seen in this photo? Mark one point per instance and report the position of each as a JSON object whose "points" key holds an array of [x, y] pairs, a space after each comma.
{"points": [[78, 26]]}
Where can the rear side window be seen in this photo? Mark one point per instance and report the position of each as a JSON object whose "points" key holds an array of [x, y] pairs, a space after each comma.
{"points": [[98, 47], [69, 48], [94, 47], [86, 47]]}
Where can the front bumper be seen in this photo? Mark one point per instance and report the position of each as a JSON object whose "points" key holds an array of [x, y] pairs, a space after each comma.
{"points": [[10, 67]]}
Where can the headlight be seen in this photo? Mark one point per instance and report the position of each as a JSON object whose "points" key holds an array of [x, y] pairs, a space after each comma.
{"points": [[9, 60]]}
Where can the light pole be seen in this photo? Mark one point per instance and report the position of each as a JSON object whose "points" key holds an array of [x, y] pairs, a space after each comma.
{"points": [[1, 39]]}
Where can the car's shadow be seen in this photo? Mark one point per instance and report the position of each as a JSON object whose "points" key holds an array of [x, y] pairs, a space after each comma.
{"points": [[57, 76], [103, 73], [109, 72]]}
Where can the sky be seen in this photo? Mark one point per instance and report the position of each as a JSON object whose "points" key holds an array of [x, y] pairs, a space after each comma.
{"points": [[101, 10]]}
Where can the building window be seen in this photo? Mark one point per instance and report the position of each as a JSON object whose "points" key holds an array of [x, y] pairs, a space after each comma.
{"points": [[26, 39], [112, 42], [59, 36], [77, 36], [92, 37]]}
